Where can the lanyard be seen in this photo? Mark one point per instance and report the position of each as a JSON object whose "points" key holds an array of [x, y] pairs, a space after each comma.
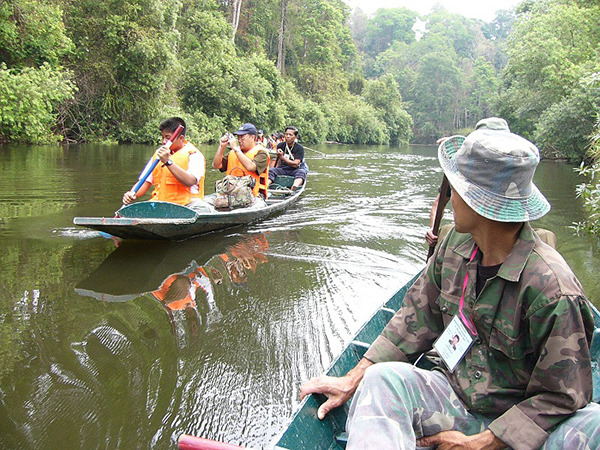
{"points": [[467, 321]]}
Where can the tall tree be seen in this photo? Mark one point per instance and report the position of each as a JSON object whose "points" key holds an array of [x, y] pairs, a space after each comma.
{"points": [[387, 27], [236, 7], [281, 38], [384, 95]]}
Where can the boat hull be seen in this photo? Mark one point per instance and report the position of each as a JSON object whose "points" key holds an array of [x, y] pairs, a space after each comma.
{"points": [[167, 221]]}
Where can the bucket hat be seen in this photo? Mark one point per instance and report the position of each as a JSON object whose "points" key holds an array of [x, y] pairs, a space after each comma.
{"points": [[492, 170]]}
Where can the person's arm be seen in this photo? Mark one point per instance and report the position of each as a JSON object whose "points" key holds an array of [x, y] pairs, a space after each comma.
{"points": [[338, 390], [431, 238], [181, 175], [218, 159], [294, 163], [197, 166], [455, 440], [261, 161], [560, 331], [130, 196], [409, 333], [297, 157]]}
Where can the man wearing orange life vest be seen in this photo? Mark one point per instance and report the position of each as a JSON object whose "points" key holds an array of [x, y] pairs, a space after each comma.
{"points": [[245, 158], [180, 177]]}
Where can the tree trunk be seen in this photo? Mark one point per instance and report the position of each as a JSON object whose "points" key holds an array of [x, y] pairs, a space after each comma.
{"points": [[281, 39], [236, 7]]}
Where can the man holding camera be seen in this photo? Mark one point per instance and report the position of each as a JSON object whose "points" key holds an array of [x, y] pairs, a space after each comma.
{"points": [[246, 157]]}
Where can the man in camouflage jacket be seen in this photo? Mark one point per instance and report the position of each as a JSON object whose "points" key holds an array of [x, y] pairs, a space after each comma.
{"points": [[526, 380]]}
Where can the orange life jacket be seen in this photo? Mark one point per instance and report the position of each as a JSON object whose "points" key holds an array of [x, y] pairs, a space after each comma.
{"points": [[234, 165], [167, 188]]}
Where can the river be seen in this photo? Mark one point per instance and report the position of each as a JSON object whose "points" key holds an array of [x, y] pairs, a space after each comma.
{"points": [[90, 358]]}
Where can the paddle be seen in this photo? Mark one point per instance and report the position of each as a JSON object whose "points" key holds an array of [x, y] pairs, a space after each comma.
{"points": [[439, 211], [146, 174]]}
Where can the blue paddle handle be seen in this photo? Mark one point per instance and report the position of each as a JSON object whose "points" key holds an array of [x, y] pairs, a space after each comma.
{"points": [[145, 175]]}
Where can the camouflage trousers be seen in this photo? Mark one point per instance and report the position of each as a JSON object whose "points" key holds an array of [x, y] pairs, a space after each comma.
{"points": [[397, 403]]}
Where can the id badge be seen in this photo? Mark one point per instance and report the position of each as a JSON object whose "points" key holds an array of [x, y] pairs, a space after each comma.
{"points": [[454, 343]]}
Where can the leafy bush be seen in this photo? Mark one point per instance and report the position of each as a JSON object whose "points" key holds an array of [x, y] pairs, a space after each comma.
{"points": [[353, 121], [29, 100], [565, 125], [590, 191]]}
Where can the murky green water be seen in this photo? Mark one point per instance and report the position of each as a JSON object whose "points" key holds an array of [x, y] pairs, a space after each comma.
{"points": [[89, 356]]}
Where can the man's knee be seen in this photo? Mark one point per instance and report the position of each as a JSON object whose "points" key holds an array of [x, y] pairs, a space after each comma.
{"points": [[390, 373], [580, 431]]}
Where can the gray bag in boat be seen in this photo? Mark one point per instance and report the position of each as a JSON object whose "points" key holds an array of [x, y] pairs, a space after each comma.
{"points": [[234, 192]]}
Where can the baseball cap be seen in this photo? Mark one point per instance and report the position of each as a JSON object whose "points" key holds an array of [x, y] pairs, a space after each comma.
{"points": [[246, 128]]}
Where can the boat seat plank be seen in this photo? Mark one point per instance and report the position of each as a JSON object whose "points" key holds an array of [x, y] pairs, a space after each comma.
{"points": [[156, 210], [595, 353], [342, 439], [359, 349]]}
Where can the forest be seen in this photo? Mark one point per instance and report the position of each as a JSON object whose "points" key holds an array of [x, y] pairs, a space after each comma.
{"points": [[109, 71]]}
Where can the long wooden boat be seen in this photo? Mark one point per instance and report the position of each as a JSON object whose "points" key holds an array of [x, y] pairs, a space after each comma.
{"points": [[305, 431], [169, 221]]}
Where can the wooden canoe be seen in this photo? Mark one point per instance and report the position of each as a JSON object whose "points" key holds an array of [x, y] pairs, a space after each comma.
{"points": [[305, 431], [169, 221]]}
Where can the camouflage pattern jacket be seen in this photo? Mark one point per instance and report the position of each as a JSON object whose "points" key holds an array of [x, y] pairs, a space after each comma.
{"points": [[530, 366]]}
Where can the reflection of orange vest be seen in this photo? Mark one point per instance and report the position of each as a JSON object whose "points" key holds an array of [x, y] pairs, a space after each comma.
{"points": [[250, 247], [260, 185], [167, 187], [185, 302], [177, 304]]}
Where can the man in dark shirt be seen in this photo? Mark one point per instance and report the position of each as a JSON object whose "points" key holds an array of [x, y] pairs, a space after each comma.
{"points": [[290, 159]]}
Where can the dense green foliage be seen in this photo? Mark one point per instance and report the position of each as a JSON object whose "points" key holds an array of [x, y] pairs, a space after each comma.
{"points": [[96, 71], [29, 99], [589, 190], [553, 52]]}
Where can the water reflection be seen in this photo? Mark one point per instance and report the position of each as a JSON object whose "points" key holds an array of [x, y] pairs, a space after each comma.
{"points": [[171, 272], [182, 277]]}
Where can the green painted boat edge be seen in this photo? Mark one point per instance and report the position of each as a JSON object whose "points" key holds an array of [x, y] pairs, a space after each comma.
{"points": [[156, 210], [305, 431]]}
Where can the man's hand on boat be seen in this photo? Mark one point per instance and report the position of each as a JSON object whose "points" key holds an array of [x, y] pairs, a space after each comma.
{"points": [[338, 390]]}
